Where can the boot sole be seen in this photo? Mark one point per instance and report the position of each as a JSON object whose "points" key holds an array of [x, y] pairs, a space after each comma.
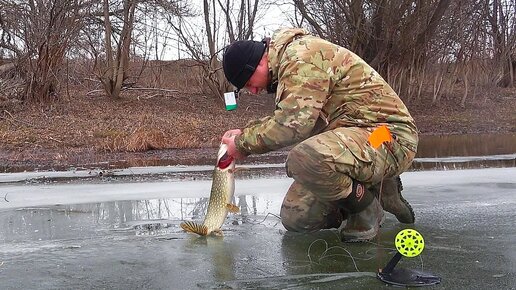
{"points": [[366, 238]]}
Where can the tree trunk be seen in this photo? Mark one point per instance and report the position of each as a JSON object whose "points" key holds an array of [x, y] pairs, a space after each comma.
{"points": [[423, 38], [116, 64]]}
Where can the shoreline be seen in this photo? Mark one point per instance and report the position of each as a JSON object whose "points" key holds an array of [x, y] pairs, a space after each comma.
{"points": [[94, 131], [91, 159]]}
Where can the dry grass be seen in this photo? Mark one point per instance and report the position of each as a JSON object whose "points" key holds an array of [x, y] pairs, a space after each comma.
{"points": [[142, 139], [93, 127]]}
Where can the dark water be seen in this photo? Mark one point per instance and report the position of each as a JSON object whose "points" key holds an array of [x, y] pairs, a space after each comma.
{"points": [[484, 150], [466, 145], [434, 152], [465, 152]]}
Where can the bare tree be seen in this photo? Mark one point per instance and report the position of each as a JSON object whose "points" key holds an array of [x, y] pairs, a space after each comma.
{"points": [[473, 46], [114, 31], [439, 44], [37, 35], [113, 71], [390, 35], [501, 17], [418, 45], [223, 21]]}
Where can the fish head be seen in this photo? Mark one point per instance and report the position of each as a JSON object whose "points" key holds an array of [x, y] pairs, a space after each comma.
{"points": [[224, 161]]}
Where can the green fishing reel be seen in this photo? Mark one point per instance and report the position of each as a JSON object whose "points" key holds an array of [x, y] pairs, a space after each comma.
{"points": [[409, 243]]}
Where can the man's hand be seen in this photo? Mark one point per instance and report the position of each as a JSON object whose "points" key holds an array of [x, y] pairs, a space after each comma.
{"points": [[229, 139]]}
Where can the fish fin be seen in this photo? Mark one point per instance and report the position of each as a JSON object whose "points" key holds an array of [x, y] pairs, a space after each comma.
{"points": [[232, 208], [193, 227], [217, 233]]}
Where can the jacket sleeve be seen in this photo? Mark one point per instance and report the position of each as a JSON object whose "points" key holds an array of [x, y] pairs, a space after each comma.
{"points": [[303, 90]]}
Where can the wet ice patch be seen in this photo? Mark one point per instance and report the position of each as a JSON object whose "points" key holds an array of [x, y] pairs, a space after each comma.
{"points": [[24, 248], [290, 281]]}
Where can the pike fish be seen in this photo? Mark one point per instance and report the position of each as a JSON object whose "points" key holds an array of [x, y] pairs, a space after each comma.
{"points": [[222, 190]]}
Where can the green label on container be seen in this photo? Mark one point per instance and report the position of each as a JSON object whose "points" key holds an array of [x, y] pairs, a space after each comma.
{"points": [[230, 100], [231, 107]]}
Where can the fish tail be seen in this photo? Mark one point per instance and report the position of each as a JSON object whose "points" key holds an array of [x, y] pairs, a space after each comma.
{"points": [[193, 227]]}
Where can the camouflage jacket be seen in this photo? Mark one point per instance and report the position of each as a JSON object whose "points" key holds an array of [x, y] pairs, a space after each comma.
{"points": [[322, 86]]}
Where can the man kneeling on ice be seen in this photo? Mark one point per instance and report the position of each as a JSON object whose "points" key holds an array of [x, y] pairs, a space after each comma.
{"points": [[328, 101]]}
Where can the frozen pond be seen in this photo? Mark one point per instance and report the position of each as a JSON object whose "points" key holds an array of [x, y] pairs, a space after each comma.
{"points": [[122, 232]]}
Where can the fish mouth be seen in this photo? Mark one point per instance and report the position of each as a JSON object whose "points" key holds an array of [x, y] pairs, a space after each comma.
{"points": [[223, 160]]}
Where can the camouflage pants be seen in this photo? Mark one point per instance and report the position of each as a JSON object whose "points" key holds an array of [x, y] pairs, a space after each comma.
{"points": [[323, 167]]}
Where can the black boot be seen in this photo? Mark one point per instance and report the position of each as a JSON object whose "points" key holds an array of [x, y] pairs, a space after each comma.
{"points": [[392, 201], [365, 215]]}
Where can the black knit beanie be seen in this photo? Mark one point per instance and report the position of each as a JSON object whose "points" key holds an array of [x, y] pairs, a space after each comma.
{"points": [[240, 60]]}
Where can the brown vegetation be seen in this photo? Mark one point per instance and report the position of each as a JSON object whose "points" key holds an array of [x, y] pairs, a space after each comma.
{"points": [[77, 83], [91, 129]]}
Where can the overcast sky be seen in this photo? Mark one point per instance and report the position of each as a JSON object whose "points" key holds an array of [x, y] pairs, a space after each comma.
{"points": [[273, 19]]}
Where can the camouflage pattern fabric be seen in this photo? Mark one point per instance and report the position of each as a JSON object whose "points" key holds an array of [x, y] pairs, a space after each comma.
{"points": [[303, 211], [328, 100], [322, 86], [323, 167]]}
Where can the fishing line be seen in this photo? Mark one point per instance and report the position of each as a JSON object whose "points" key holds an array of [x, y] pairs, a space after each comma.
{"points": [[380, 246], [265, 218], [325, 254], [356, 258], [326, 250], [380, 209]]}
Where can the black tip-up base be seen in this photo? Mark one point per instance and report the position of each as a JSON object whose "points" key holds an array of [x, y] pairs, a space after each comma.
{"points": [[408, 277], [405, 277]]}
